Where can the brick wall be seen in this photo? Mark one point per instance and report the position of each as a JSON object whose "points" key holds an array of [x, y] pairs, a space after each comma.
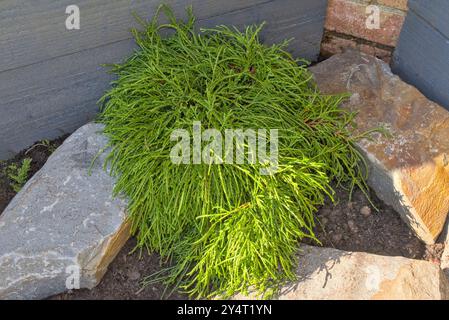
{"points": [[346, 26]]}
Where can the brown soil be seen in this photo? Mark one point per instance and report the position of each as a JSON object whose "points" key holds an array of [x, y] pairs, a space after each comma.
{"points": [[347, 225], [356, 226], [123, 280]]}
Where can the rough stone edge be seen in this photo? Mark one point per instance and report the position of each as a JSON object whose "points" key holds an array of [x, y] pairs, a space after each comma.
{"points": [[379, 175], [409, 265]]}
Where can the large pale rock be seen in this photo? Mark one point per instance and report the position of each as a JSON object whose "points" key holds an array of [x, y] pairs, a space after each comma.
{"points": [[409, 169], [330, 274], [62, 222]]}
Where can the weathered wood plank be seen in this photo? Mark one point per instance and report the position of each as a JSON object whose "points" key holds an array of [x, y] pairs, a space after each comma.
{"points": [[33, 31], [434, 12], [48, 99], [422, 58], [52, 77], [302, 21]]}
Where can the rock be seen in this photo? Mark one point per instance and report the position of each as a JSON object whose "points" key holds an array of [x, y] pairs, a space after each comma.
{"points": [[350, 205], [409, 170], [133, 275], [63, 222], [330, 274], [337, 237], [352, 226], [365, 211]]}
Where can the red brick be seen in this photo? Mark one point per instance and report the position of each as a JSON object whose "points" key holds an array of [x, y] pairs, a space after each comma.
{"points": [[348, 17]]}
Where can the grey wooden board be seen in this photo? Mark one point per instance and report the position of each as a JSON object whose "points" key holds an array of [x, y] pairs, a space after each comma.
{"points": [[422, 59], [286, 19], [434, 12], [50, 78], [33, 31], [53, 97]]}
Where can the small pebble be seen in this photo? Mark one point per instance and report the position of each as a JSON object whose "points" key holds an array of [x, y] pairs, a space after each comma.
{"points": [[133, 276], [352, 226], [336, 238], [410, 250], [365, 211]]}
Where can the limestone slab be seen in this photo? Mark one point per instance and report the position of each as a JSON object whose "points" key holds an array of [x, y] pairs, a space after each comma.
{"points": [[63, 223]]}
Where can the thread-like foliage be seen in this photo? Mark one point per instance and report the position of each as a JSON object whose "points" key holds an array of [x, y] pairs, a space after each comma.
{"points": [[224, 227]]}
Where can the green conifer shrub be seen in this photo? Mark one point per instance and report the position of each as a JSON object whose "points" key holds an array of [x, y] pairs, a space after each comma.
{"points": [[223, 227]]}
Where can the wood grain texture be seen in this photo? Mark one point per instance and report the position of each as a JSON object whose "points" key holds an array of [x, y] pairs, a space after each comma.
{"points": [[422, 58], [53, 97], [434, 12], [302, 21], [51, 78], [33, 31]]}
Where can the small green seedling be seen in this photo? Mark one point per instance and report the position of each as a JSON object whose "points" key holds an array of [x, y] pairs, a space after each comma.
{"points": [[19, 175], [47, 144]]}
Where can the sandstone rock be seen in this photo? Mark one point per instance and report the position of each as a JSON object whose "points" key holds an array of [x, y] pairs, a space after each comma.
{"points": [[330, 274], [63, 222], [410, 169]]}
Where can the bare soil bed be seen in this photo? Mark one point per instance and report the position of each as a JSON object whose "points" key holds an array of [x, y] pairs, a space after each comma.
{"points": [[348, 225], [123, 280], [355, 225]]}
